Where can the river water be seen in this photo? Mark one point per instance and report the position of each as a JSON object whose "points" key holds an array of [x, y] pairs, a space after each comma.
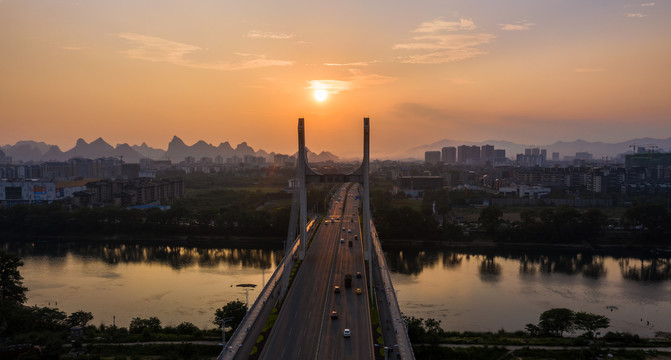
{"points": [[465, 290]]}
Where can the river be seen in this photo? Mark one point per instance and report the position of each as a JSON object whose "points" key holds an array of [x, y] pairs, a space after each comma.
{"points": [[466, 290]]}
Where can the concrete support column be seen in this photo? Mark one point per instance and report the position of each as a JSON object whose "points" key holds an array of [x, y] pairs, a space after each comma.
{"points": [[301, 164]]}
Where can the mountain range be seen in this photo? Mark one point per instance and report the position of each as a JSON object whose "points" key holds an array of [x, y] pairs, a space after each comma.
{"points": [[28, 150]]}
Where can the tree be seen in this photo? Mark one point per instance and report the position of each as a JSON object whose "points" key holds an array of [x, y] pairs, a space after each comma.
{"points": [[490, 218], [139, 325], [233, 309], [79, 318], [590, 322], [416, 331], [11, 284], [557, 321]]}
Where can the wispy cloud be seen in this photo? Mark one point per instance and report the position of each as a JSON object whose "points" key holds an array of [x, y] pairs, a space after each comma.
{"points": [[441, 25], [360, 63], [438, 44], [257, 34], [68, 47], [635, 15], [518, 26], [354, 82], [156, 49], [589, 70], [648, 4]]}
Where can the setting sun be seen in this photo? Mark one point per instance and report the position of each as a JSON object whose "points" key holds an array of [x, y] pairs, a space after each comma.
{"points": [[320, 94]]}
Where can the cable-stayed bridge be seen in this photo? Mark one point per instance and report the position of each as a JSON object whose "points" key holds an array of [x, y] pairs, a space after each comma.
{"points": [[331, 297]]}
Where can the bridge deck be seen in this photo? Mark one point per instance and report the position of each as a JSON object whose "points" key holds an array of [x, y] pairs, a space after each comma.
{"points": [[304, 328]]}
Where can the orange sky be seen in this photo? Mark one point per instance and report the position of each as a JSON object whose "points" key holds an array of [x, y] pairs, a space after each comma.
{"points": [[533, 72]]}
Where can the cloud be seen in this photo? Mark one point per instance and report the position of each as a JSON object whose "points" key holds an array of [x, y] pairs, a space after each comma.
{"points": [[635, 15], [589, 70], [68, 47], [156, 49], [354, 82], [648, 4], [437, 42], [518, 26], [257, 34], [438, 25], [360, 63]]}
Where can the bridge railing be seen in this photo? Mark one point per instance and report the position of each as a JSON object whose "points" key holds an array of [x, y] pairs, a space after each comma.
{"points": [[230, 350], [400, 328]]}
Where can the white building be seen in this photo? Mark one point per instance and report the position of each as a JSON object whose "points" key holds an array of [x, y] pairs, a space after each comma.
{"points": [[27, 192]]}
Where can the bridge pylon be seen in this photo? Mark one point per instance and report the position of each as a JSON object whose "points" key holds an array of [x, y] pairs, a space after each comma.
{"points": [[305, 175]]}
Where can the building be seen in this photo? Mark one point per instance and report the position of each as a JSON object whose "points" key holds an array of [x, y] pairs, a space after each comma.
{"points": [[134, 192], [532, 157], [27, 192], [432, 157], [499, 155], [468, 154], [584, 156], [449, 155], [487, 153], [415, 186]]}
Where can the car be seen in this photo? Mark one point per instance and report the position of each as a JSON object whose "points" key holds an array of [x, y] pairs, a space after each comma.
{"points": [[343, 229], [349, 231], [342, 240], [334, 314], [336, 289], [346, 333], [358, 275], [358, 291], [356, 237]]}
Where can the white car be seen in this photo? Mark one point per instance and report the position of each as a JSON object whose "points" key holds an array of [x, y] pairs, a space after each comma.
{"points": [[346, 333]]}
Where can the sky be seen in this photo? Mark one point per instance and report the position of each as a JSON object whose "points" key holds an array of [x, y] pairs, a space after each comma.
{"points": [[528, 71]]}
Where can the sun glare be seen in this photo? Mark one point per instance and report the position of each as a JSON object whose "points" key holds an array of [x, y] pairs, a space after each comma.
{"points": [[320, 94]]}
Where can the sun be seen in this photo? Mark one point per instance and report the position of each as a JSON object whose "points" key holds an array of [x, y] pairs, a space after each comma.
{"points": [[320, 94]]}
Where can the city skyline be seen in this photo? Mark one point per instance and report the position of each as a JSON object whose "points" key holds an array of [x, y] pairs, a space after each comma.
{"points": [[520, 71]]}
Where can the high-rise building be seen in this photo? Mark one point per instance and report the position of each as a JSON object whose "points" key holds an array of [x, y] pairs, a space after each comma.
{"points": [[499, 155], [555, 156], [468, 154], [449, 155], [432, 157], [487, 153]]}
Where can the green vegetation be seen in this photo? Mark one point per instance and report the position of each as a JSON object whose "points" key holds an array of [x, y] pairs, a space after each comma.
{"points": [[233, 312], [555, 322]]}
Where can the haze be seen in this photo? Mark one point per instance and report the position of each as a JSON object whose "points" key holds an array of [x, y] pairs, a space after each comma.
{"points": [[532, 72]]}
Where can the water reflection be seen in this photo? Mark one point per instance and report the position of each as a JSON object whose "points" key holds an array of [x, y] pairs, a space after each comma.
{"points": [[646, 269], [637, 267], [176, 256], [580, 263], [490, 271]]}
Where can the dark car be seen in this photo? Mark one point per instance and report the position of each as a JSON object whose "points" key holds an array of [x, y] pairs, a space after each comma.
{"points": [[334, 314], [336, 289], [358, 275]]}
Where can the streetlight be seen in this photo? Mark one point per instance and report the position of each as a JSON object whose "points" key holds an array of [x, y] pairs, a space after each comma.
{"points": [[223, 331], [247, 288]]}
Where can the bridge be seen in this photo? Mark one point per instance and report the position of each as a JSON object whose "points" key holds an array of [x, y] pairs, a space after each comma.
{"points": [[331, 296]]}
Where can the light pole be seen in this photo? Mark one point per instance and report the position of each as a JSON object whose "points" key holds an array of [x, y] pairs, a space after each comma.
{"points": [[223, 331], [247, 290]]}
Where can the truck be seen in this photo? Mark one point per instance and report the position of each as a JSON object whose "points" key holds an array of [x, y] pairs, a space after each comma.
{"points": [[348, 280]]}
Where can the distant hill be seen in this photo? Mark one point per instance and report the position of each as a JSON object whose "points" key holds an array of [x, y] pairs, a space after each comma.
{"points": [[28, 150], [597, 149]]}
